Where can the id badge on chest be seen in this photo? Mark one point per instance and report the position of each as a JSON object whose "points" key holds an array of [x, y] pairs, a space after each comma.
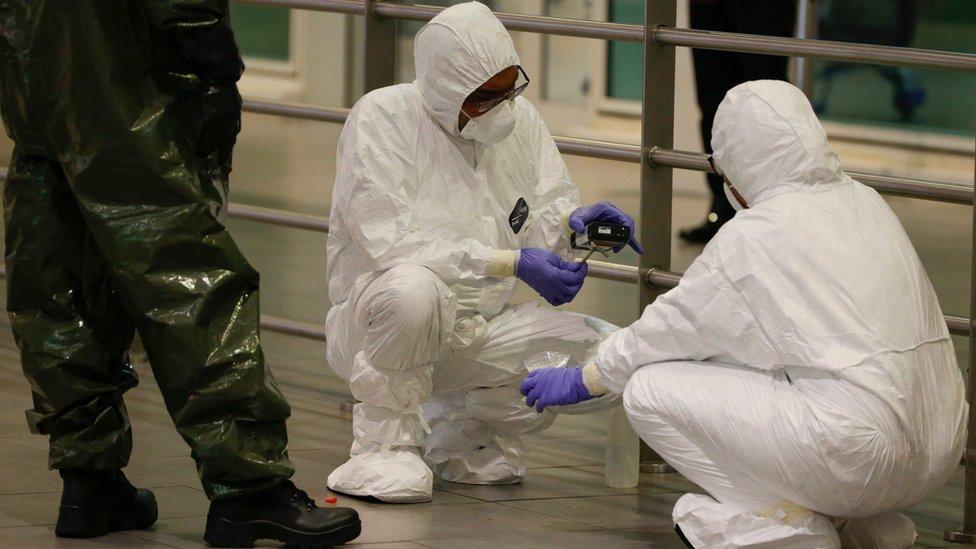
{"points": [[519, 215]]}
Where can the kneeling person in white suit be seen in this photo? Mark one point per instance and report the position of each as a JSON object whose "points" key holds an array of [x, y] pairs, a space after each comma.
{"points": [[801, 373], [447, 189]]}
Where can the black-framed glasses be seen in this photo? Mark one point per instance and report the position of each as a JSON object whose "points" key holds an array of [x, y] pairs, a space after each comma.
{"points": [[482, 101]]}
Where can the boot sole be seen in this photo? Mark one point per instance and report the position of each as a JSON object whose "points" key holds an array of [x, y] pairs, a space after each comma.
{"points": [[224, 533], [86, 522]]}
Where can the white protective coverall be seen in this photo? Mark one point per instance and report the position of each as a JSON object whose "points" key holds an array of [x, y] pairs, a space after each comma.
{"points": [[423, 237], [802, 369]]}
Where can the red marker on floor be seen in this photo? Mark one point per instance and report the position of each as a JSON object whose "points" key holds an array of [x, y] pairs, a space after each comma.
{"points": [[332, 500]]}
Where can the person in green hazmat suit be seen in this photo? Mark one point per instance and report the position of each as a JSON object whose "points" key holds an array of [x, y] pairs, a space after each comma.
{"points": [[123, 115]]}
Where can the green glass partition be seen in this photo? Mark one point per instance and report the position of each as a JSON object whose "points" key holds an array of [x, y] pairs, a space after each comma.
{"points": [[262, 32]]}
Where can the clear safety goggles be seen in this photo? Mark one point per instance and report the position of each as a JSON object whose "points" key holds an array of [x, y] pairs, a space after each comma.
{"points": [[483, 101]]}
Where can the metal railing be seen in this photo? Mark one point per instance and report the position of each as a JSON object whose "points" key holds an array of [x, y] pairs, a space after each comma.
{"points": [[696, 161], [599, 269], [820, 49], [656, 155], [661, 34]]}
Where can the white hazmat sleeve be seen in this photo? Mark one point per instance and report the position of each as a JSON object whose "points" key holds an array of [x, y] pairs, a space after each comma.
{"points": [[704, 317]]}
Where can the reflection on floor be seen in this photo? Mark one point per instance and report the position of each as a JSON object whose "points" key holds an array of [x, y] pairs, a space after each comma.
{"points": [[562, 503]]}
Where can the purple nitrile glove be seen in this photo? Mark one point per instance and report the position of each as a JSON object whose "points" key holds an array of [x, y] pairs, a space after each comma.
{"points": [[604, 211], [554, 387], [554, 278]]}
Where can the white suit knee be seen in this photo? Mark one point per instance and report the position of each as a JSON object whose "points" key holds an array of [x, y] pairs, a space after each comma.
{"points": [[390, 332], [398, 325]]}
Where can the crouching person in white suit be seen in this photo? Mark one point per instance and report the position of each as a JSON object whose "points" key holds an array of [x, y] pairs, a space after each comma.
{"points": [[447, 190], [801, 373]]}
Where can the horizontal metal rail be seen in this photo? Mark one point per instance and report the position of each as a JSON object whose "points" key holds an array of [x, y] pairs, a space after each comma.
{"points": [[728, 41], [613, 271], [600, 269], [570, 145], [606, 150], [279, 217], [662, 279], [292, 327], [958, 325], [610, 271], [821, 49], [318, 223], [297, 110], [580, 28], [687, 160], [891, 185], [916, 188], [352, 7]]}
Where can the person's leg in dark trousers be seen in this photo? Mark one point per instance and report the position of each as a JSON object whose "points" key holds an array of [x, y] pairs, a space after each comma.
{"points": [[716, 72], [769, 18], [909, 93]]}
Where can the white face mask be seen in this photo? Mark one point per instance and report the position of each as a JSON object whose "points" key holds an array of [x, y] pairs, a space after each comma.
{"points": [[493, 126]]}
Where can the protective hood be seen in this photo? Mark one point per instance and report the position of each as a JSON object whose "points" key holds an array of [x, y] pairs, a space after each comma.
{"points": [[455, 53], [768, 141]]}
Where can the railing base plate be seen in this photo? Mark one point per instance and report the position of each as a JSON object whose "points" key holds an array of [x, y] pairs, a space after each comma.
{"points": [[959, 536]]}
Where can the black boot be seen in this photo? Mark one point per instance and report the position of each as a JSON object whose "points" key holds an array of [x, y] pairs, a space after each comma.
{"points": [[95, 503], [283, 513]]}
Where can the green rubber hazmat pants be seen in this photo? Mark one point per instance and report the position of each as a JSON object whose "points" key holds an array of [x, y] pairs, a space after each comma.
{"points": [[112, 225]]}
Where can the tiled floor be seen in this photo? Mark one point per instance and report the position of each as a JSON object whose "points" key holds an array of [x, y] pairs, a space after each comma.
{"points": [[562, 503]]}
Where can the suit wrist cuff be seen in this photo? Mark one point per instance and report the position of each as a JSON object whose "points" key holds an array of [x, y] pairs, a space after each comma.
{"points": [[593, 386], [564, 218], [503, 263]]}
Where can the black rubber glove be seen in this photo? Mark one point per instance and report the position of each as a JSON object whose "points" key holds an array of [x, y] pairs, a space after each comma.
{"points": [[221, 103], [212, 54], [210, 51]]}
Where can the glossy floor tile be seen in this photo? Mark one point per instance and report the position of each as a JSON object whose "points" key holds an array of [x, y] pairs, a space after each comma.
{"points": [[563, 502]]}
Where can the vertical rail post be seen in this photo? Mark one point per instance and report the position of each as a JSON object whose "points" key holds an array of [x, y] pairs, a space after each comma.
{"points": [[968, 532], [657, 130], [379, 52], [807, 23], [544, 53]]}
